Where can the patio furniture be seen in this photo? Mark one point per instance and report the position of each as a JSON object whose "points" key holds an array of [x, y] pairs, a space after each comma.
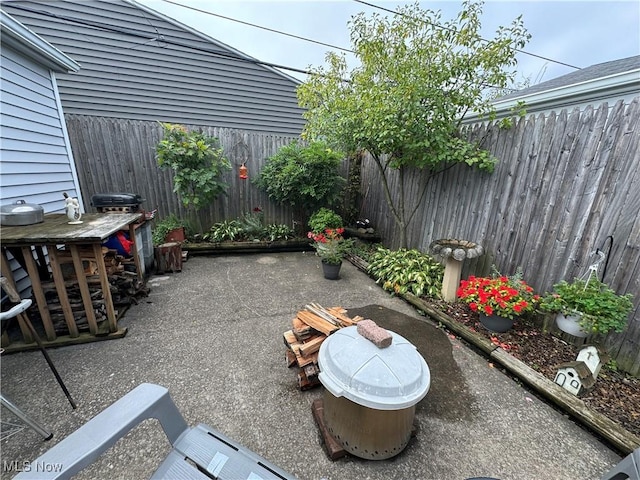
{"points": [[198, 453], [18, 310], [627, 468], [82, 245]]}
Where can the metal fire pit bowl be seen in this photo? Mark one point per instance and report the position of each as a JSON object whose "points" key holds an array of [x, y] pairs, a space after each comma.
{"points": [[370, 392]]}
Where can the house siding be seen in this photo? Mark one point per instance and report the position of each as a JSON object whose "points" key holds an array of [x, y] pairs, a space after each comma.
{"points": [[35, 159], [138, 65]]}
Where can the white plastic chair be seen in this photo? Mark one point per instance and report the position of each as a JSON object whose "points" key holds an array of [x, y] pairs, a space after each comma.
{"points": [[198, 453]]}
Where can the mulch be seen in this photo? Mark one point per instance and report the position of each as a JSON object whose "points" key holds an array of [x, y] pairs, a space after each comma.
{"points": [[615, 394]]}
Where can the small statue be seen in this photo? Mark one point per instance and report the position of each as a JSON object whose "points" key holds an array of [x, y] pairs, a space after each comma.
{"points": [[72, 207]]}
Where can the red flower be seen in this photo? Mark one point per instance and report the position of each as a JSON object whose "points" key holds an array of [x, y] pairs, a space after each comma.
{"points": [[500, 295]]}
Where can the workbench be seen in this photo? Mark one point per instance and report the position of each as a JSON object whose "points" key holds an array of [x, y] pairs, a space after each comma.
{"points": [[61, 240]]}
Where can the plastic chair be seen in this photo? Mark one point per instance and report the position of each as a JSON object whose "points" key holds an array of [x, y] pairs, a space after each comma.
{"points": [[19, 309], [198, 453], [628, 468]]}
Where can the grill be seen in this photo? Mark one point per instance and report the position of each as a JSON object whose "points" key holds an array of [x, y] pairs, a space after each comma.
{"points": [[117, 202]]}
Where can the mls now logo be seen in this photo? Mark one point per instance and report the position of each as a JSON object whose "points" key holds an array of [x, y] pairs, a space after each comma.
{"points": [[27, 466]]}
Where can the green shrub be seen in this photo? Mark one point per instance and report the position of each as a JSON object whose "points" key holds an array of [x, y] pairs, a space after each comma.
{"points": [[403, 271], [305, 177], [323, 219], [252, 225], [198, 164]]}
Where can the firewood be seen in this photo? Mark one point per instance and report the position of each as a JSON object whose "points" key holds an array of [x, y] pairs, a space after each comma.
{"points": [[341, 315], [305, 383], [298, 324], [304, 335], [289, 338], [316, 322], [290, 358], [321, 312], [312, 345], [311, 371]]}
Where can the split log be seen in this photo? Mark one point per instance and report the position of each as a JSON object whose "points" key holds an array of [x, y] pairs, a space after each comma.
{"points": [[312, 345], [311, 327], [290, 358], [317, 323]]}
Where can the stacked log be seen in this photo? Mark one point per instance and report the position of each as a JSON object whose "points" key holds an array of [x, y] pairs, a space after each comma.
{"points": [[310, 327], [125, 286]]}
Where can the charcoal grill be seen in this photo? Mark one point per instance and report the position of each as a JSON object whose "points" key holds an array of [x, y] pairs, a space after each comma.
{"points": [[117, 202]]}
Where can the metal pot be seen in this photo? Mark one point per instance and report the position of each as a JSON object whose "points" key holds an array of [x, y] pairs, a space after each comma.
{"points": [[370, 392], [21, 213]]}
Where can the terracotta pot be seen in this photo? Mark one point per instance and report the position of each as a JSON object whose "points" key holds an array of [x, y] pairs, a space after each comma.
{"points": [[175, 235]]}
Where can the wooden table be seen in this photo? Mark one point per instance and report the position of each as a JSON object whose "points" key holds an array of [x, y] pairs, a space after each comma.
{"points": [[81, 241]]}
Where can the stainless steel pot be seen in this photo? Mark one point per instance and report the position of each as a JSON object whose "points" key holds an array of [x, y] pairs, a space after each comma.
{"points": [[21, 213]]}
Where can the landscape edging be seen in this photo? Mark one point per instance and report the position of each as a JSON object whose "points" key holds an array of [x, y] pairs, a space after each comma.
{"points": [[616, 435]]}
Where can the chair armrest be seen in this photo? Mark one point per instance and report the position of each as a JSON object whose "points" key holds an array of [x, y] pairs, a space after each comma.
{"points": [[16, 309], [88, 442]]}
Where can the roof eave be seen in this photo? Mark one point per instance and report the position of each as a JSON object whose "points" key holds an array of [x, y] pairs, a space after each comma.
{"points": [[27, 42], [595, 89]]}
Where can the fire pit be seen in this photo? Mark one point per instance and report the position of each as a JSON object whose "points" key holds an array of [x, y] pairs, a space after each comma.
{"points": [[371, 391]]}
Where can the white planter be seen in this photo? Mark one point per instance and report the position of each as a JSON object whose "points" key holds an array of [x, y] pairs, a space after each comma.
{"points": [[569, 324]]}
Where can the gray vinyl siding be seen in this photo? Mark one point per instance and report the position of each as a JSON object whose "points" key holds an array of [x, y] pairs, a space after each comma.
{"points": [[138, 73], [35, 162]]}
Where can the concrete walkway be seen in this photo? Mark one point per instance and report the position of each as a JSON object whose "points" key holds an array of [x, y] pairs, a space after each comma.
{"points": [[212, 334]]}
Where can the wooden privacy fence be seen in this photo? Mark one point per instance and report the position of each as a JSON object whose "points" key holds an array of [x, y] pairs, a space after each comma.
{"points": [[566, 184], [114, 155]]}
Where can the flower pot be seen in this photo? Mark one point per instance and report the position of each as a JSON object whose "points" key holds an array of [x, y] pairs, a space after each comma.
{"points": [[175, 235], [570, 324], [331, 271], [496, 323]]}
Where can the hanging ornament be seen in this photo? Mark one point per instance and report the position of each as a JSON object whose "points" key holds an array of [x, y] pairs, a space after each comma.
{"points": [[244, 172]]}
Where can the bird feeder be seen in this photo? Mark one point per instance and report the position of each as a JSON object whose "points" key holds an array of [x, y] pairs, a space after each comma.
{"points": [[454, 251], [244, 172]]}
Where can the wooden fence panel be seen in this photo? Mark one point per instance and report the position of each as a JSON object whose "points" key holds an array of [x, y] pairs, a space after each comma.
{"points": [[564, 184], [114, 155]]}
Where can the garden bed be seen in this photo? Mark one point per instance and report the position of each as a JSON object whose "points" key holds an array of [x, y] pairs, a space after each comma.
{"points": [[611, 408]]}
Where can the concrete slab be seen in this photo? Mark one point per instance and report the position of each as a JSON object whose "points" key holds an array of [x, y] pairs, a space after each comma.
{"points": [[212, 334]]}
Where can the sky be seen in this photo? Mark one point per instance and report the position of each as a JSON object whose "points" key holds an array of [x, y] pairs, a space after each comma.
{"points": [[575, 33]]}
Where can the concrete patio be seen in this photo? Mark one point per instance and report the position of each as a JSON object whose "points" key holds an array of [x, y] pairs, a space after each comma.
{"points": [[212, 334]]}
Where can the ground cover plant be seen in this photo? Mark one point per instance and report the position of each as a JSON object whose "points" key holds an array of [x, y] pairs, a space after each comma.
{"points": [[250, 227]]}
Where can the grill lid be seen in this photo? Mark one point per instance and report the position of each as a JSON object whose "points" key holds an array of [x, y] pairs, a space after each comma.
{"points": [[389, 378], [116, 199]]}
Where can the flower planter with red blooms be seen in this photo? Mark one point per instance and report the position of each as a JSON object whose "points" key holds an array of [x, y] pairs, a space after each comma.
{"points": [[497, 300], [331, 247]]}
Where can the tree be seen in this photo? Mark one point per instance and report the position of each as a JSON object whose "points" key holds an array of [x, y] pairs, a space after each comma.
{"points": [[403, 104]]}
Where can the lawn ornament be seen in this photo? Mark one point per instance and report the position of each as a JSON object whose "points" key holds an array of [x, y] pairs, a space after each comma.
{"points": [[580, 375], [72, 209]]}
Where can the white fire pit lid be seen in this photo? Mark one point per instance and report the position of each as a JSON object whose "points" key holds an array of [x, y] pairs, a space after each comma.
{"points": [[389, 378]]}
